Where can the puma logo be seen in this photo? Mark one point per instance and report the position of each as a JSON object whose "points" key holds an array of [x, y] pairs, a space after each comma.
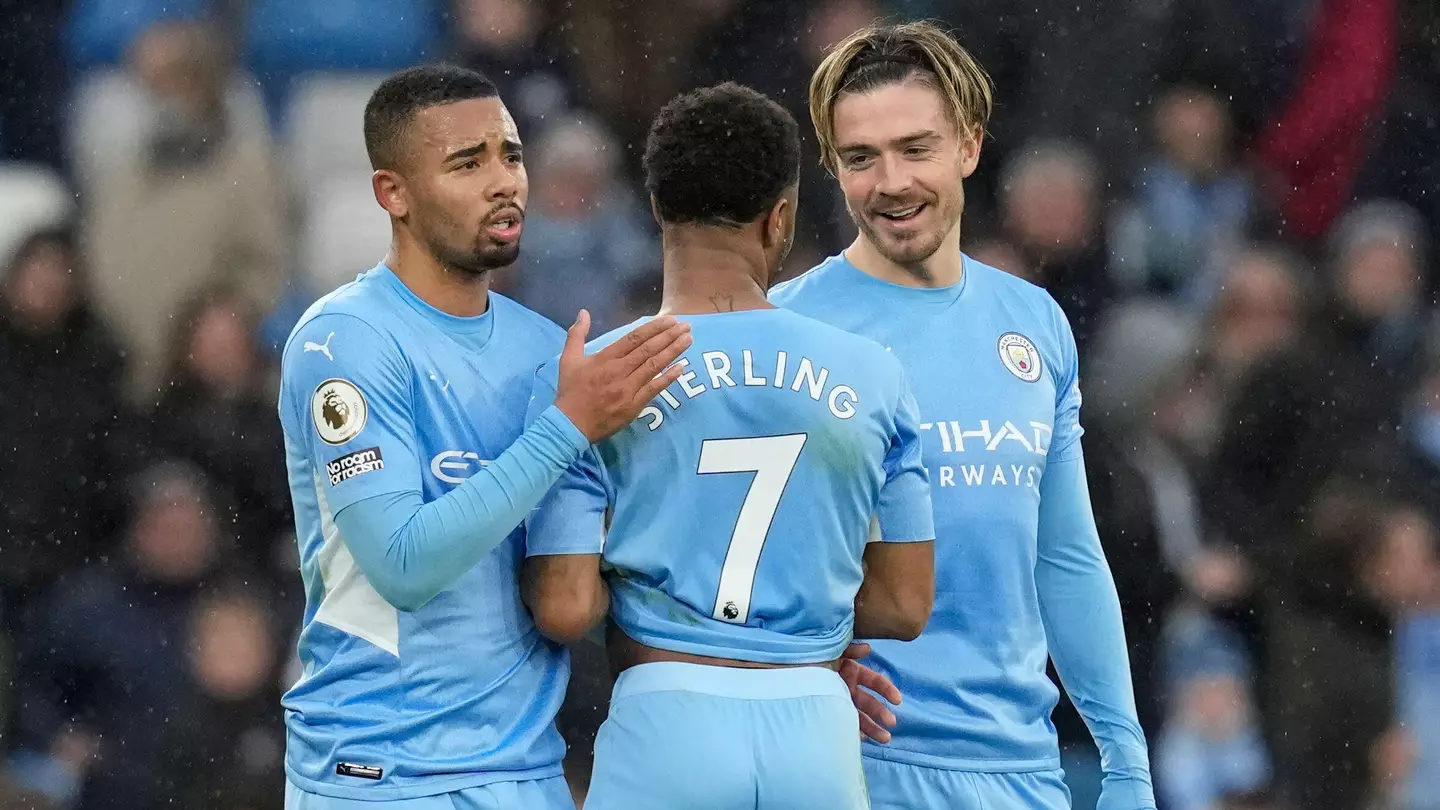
{"points": [[321, 347]]}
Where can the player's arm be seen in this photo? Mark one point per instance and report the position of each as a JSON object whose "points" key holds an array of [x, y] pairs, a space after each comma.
{"points": [[898, 591], [364, 449], [1081, 610], [564, 536], [566, 595]]}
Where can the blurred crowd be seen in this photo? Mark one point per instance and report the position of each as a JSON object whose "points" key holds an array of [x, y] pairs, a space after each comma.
{"points": [[1233, 201]]}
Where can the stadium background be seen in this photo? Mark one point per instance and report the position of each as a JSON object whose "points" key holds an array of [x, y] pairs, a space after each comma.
{"points": [[1233, 201]]}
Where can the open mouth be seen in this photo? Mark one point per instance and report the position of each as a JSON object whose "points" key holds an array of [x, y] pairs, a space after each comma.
{"points": [[504, 226], [903, 214]]}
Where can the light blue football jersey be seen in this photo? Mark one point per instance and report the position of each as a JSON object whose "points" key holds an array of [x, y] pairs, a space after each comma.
{"points": [[993, 367], [381, 393], [741, 500]]}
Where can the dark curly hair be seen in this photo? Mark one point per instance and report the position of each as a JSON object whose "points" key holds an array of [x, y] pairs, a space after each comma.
{"points": [[393, 105], [720, 155]]}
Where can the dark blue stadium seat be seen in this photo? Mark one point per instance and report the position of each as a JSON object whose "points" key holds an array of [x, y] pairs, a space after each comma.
{"points": [[286, 38], [99, 31]]}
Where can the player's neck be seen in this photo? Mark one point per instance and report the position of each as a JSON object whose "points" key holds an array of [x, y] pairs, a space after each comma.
{"points": [[943, 268], [448, 289], [708, 273]]}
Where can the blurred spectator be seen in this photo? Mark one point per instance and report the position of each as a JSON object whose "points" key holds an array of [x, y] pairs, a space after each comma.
{"points": [[774, 47], [510, 42], [1072, 70], [32, 198], [1263, 799], [1420, 429], [1398, 167], [1378, 257], [199, 204], [1190, 201], [1312, 151], [102, 664], [1258, 312], [13, 797], [1002, 255], [217, 411], [1211, 745], [1051, 210], [1144, 393], [586, 234], [60, 371], [1298, 415], [1402, 572], [223, 746], [631, 57], [1256, 317], [1328, 680]]}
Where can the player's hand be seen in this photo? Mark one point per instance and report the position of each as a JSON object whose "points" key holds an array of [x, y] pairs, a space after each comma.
{"points": [[603, 392], [874, 716]]}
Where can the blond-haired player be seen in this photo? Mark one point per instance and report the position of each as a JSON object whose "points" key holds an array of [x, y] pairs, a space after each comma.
{"points": [[900, 113]]}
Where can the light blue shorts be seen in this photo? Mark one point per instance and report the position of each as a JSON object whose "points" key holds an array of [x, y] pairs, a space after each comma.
{"points": [[536, 794], [898, 786], [724, 738]]}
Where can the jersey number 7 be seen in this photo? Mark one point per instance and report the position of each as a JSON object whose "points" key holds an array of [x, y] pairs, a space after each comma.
{"points": [[772, 459]]}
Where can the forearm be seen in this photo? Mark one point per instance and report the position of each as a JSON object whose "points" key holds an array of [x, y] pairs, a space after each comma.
{"points": [[875, 615], [881, 618], [411, 551], [896, 607], [566, 595], [1081, 611]]}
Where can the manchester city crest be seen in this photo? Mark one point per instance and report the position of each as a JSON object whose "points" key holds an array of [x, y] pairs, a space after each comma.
{"points": [[1020, 356]]}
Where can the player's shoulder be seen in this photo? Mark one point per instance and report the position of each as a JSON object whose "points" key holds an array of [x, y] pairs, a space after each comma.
{"points": [[527, 324], [1026, 315], [828, 334], [996, 282], [357, 310], [860, 358], [532, 342], [806, 286], [595, 344], [1023, 300]]}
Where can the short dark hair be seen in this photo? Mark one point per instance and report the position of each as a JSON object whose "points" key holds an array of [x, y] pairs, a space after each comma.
{"points": [[394, 103], [720, 155]]}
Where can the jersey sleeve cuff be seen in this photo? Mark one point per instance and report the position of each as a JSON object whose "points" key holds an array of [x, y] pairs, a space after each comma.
{"points": [[553, 422], [906, 525], [914, 536]]}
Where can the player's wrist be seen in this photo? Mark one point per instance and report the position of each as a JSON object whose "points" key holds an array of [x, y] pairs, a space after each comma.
{"points": [[564, 428]]}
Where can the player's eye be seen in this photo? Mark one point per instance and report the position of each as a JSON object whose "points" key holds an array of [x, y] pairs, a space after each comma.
{"points": [[857, 161], [469, 165], [916, 151], [514, 159]]}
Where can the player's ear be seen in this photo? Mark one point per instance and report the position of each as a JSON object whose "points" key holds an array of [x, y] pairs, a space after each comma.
{"points": [[780, 222], [390, 193], [970, 140]]}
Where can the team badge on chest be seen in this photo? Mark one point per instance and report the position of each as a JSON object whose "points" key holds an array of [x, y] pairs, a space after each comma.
{"points": [[1019, 355]]}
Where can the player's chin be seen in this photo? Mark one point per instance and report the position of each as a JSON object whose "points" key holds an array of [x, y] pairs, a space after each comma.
{"points": [[910, 249], [497, 255]]}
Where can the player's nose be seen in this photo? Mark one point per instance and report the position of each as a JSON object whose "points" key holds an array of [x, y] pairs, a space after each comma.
{"points": [[894, 177], [503, 185]]}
